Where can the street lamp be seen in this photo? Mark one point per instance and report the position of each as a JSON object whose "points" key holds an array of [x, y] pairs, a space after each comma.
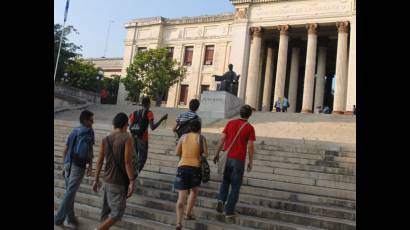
{"points": [[65, 78], [99, 78]]}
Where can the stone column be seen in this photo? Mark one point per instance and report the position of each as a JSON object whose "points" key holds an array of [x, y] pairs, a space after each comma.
{"points": [[267, 89], [351, 81], [309, 81], [253, 70], [339, 103], [293, 79], [282, 59], [320, 78]]}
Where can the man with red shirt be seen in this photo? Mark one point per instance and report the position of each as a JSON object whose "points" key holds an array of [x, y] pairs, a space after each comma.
{"points": [[235, 162], [144, 117]]}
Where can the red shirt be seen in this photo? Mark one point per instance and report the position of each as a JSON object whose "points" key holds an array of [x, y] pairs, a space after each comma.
{"points": [[150, 116], [239, 148]]}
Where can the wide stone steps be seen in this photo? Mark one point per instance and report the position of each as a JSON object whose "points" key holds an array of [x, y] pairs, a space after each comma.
{"points": [[164, 200], [89, 217], [258, 196], [294, 184], [263, 165], [164, 212]]}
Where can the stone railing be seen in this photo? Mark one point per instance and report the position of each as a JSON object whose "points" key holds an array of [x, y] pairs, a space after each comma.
{"points": [[71, 92]]}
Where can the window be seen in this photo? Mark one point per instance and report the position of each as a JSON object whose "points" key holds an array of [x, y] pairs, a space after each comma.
{"points": [[183, 95], [141, 49], [170, 52], [204, 88], [189, 51], [209, 55]]}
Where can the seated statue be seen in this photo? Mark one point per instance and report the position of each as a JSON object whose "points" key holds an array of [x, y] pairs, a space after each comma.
{"points": [[229, 81]]}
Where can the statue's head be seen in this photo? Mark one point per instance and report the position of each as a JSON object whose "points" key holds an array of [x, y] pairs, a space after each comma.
{"points": [[230, 67]]}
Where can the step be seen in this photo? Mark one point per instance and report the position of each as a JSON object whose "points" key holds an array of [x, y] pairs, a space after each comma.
{"points": [[135, 208], [247, 190], [164, 218], [259, 166], [271, 184], [285, 205], [245, 209], [92, 214]]}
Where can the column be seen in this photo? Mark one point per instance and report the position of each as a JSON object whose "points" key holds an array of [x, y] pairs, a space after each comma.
{"points": [[239, 55], [267, 89], [339, 103], [309, 81], [320, 78], [351, 81], [253, 70], [282, 59], [293, 79]]}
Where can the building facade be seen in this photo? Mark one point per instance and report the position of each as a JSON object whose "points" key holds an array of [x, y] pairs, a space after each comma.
{"points": [[291, 48], [110, 66]]}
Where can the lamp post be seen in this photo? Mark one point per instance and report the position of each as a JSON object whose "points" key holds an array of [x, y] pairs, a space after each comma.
{"points": [[99, 78]]}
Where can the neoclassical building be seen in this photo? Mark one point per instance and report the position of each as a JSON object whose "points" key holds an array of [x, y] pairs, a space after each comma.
{"points": [[292, 48]]}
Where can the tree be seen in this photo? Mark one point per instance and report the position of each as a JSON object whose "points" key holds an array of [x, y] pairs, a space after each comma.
{"points": [[153, 73], [69, 51], [82, 74]]}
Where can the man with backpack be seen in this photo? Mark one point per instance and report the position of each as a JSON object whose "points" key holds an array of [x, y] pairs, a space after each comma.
{"points": [[117, 150], [77, 154], [237, 138], [182, 122], [140, 120]]}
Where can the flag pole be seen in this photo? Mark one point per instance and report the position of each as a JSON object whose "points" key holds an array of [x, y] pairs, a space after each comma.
{"points": [[61, 39]]}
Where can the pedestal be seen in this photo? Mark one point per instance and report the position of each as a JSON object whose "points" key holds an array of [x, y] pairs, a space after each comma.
{"points": [[219, 104]]}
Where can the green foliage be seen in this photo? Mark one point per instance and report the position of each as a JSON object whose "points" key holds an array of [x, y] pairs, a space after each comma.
{"points": [[152, 73], [109, 89], [82, 74], [69, 51]]}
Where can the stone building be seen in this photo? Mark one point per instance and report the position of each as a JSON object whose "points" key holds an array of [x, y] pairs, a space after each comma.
{"points": [[291, 48], [110, 66]]}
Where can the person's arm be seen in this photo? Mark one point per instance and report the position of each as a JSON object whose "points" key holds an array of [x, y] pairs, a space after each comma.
{"points": [[153, 125], [205, 145], [251, 151], [129, 151], [219, 147], [100, 161], [64, 155], [90, 164]]}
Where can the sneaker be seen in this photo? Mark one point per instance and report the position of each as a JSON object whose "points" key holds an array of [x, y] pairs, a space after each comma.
{"points": [[220, 206], [73, 223], [231, 215]]}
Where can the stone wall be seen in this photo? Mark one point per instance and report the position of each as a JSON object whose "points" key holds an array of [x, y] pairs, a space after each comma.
{"points": [[83, 95]]}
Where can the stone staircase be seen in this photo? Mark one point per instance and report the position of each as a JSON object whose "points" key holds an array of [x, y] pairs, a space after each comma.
{"points": [[293, 186]]}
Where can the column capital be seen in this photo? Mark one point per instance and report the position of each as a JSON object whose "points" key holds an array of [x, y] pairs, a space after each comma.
{"points": [[257, 31], [283, 29], [312, 28], [342, 27]]}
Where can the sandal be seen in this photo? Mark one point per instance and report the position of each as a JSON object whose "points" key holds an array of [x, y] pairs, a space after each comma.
{"points": [[189, 217], [178, 227]]}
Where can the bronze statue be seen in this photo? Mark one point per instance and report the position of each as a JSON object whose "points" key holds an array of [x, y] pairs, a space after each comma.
{"points": [[229, 81]]}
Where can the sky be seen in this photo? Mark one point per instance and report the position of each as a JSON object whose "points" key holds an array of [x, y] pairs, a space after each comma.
{"points": [[91, 18]]}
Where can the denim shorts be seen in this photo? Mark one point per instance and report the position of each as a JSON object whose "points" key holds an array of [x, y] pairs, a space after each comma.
{"points": [[187, 177]]}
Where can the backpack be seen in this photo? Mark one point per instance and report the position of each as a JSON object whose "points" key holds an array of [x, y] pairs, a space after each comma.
{"points": [[205, 169], [140, 124], [184, 128], [81, 148]]}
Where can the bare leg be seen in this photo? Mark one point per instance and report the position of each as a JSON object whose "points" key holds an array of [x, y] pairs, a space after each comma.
{"points": [[191, 200], [182, 195], [106, 224]]}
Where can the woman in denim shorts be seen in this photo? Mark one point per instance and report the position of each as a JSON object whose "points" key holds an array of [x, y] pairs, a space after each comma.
{"points": [[189, 148]]}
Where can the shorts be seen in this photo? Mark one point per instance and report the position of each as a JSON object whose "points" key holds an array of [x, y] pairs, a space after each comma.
{"points": [[114, 197], [187, 177]]}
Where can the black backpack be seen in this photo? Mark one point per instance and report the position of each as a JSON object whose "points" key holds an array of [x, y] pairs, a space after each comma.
{"points": [[184, 128], [140, 124]]}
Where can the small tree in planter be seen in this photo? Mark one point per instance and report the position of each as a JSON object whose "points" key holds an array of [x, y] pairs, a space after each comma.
{"points": [[153, 73]]}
